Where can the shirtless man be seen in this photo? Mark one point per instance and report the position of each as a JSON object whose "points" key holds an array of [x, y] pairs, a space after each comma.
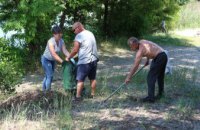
{"points": [[149, 50]]}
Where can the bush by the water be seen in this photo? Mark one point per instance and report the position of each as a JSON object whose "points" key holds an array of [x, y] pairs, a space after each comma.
{"points": [[11, 66]]}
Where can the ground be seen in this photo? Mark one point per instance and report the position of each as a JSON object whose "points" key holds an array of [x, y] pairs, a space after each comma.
{"points": [[179, 109]]}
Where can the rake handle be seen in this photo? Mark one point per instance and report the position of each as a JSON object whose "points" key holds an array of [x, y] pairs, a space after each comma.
{"points": [[121, 86]]}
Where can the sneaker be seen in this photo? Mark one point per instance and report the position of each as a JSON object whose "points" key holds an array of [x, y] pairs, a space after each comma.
{"points": [[148, 99]]}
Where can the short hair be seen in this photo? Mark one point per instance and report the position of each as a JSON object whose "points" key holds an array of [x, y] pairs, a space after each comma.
{"points": [[56, 29], [132, 40], [76, 24]]}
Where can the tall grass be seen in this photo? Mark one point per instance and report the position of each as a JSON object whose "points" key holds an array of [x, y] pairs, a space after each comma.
{"points": [[169, 39], [189, 16], [162, 39], [41, 115]]}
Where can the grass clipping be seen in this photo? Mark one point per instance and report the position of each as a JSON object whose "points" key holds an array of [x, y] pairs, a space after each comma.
{"points": [[33, 96]]}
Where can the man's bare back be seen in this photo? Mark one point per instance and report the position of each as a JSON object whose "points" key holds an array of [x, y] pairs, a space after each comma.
{"points": [[149, 49]]}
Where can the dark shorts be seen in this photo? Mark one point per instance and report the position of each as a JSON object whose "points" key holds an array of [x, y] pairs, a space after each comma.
{"points": [[86, 70]]}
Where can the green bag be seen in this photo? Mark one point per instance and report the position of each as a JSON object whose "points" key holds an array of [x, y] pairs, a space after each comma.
{"points": [[69, 76]]}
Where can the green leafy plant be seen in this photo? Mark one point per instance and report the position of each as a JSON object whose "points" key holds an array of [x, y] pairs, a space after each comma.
{"points": [[11, 63]]}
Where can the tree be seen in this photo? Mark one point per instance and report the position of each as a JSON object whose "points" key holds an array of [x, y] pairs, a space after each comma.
{"points": [[135, 17], [33, 19]]}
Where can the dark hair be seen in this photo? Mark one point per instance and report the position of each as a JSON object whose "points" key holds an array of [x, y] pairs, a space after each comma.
{"points": [[56, 29], [133, 40]]}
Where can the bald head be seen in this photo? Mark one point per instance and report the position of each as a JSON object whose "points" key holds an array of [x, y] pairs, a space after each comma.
{"points": [[133, 43], [77, 27], [77, 24], [133, 40]]}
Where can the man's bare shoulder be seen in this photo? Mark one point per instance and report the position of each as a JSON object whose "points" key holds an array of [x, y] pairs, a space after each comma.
{"points": [[141, 50], [142, 44], [143, 41], [148, 43]]}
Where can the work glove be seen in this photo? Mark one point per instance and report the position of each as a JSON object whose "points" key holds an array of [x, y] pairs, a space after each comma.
{"points": [[73, 61]]}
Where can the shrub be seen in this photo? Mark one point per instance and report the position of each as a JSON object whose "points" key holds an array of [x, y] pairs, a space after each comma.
{"points": [[11, 66]]}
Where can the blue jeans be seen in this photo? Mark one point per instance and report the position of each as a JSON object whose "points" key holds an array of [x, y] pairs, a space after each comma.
{"points": [[48, 67]]}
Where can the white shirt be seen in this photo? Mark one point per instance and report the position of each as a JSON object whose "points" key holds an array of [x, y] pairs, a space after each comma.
{"points": [[88, 48]]}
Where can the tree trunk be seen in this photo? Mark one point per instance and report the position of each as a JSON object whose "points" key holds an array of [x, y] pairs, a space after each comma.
{"points": [[105, 21], [62, 19]]}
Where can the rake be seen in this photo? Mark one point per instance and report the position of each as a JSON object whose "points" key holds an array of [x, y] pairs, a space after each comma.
{"points": [[121, 86]]}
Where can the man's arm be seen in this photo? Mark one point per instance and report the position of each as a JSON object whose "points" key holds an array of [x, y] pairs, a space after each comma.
{"points": [[135, 66], [136, 63], [74, 50]]}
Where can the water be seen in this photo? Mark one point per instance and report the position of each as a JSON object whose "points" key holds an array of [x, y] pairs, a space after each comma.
{"points": [[8, 35], [1, 33]]}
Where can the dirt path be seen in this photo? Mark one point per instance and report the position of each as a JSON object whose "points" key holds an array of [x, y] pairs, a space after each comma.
{"points": [[132, 115]]}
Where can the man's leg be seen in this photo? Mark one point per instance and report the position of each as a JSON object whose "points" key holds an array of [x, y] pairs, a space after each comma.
{"points": [[161, 77], [161, 82], [165, 30], [80, 86], [151, 80], [92, 77], [82, 71], [93, 86]]}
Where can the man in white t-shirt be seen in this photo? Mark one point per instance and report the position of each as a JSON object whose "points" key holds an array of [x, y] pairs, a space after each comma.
{"points": [[85, 46]]}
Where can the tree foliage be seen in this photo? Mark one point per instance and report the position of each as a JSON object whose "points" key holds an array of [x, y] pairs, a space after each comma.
{"points": [[11, 63], [32, 19], [137, 16]]}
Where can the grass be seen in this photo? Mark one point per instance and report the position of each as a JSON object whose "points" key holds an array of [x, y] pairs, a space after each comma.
{"points": [[40, 115], [189, 15], [170, 39], [181, 102]]}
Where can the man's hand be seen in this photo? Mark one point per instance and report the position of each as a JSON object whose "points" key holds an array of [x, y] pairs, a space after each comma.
{"points": [[67, 59], [128, 79]]}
